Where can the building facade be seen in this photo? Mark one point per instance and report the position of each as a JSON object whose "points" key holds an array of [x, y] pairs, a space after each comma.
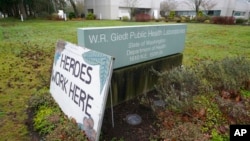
{"points": [[115, 9], [236, 8]]}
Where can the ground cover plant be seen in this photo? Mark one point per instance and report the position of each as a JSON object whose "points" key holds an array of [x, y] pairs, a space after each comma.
{"points": [[26, 55], [210, 96]]}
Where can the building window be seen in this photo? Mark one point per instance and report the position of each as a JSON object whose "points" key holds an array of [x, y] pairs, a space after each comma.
{"points": [[185, 13], [142, 10], [239, 13], [90, 10], [210, 13], [214, 12]]}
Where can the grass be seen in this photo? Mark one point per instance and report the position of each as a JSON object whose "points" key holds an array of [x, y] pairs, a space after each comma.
{"points": [[27, 49], [205, 42]]}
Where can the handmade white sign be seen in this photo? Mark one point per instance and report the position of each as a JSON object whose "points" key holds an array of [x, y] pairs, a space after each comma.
{"points": [[79, 84]]}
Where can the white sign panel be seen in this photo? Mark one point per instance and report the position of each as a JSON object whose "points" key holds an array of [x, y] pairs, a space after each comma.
{"points": [[79, 84]]}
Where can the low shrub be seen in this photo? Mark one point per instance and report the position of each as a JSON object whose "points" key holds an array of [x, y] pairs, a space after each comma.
{"points": [[230, 77], [178, 86], [177, 19], [229, 74], [223, 20], [207, 21], [50, 122], [125, 18], [90, 16], [171, 15], [184, 132], [227, 77], [226, 84], [238, 111], [40, 98], [246, 93], [185, 19], [67, 131], [208, 112], [54, 17], [200, 14], [46, 118], [240, 21], [202, 19], [47, 113], [142, 17], [158, 20], [216, 136], [72, 15], [162, 18]]}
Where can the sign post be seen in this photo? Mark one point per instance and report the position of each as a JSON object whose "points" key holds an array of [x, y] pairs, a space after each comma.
{"points": [[79, 84]]}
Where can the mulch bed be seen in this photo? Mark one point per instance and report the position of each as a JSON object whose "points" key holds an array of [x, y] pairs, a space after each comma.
{"points": [[122, 130]]}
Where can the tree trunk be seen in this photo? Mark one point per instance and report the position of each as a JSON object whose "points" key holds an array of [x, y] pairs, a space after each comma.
{"points": [[15, 11], [197, 10], [131, 13], [74, 7], [22, 9], [54, 6]]}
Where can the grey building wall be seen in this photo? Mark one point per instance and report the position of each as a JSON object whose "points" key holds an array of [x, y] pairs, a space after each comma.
{"points": [[114, 9], [237, 8]]}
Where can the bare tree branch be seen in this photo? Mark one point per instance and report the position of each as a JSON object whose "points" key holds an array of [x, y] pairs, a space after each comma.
{"points": [[168, 5], [131, 4], [208, 4], [197, 4]]}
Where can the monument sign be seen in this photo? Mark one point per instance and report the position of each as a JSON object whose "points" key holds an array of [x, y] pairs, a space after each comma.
{"points": [[134, 44]]}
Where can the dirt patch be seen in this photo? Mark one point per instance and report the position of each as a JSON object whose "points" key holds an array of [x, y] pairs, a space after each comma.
{"points": [[34, 136], [122, 130]]}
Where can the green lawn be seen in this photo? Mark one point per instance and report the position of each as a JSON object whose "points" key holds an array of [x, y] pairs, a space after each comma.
{"points": [[27, 49], [216, 42]]}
